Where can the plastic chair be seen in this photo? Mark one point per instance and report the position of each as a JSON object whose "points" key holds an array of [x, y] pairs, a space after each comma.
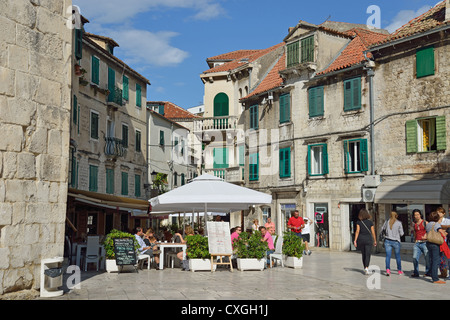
{"points": [[92, 251], [142, 258], [278, 254]]}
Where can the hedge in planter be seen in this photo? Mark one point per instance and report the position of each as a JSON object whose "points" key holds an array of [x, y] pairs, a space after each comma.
{"points": [[293, 246], [108, 243], [197, 247], [250, 246]]}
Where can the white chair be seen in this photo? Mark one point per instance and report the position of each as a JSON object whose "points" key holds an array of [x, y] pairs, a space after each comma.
{"points": [[92, 251], [278, 254], [141, 260]]}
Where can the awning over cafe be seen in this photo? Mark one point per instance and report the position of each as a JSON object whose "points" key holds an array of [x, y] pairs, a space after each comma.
{"points": [[123, 203], [436, 191]]}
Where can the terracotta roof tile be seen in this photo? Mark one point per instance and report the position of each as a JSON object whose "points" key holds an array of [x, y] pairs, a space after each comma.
{"points": [[172, 111]]}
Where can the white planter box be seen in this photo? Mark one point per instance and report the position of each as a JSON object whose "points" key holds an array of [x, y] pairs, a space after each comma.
{"points": [[200, 265], [294, 262], [250, 264], [111, 266]]}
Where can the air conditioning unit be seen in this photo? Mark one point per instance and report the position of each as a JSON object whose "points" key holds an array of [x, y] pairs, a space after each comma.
{"points": [[372, 181], [368, 194]]}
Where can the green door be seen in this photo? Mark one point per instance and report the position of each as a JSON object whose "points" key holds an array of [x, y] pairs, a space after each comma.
{"points": [[221, 106]]}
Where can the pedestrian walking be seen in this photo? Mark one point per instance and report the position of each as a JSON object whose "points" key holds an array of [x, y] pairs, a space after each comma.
{"points": [[445, 224], [392, 241], [420, 243], [365, 238], [306, 235], [434, 248]]}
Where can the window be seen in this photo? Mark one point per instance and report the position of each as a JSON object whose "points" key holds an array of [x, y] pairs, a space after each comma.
{"points": [[111, 83], [109, 181], [75, 110], [254, 117], [253, 167], [285, 108], [138, 141], [293, 56], [138, 95], [425, 62], [352, 94], [175, 179], [78, 44], [125, 88], [94, 125], [425, 135], [93, 178], [125, 135], [285, 163], [317, 159], [95, 72], [315, 102], [161, 138], [137, 185], [124, 186], [307, 49], [220, 156], [182, 179], [355, 155], [161, 109], [73, 167]]}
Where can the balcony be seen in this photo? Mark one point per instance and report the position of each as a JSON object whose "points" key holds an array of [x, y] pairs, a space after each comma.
{"points": [[114, 147], [233, 174], [216, 123], [115, 98]]}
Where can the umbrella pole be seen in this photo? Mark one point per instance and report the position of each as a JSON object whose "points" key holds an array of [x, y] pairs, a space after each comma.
{"points": [[206, 220]]}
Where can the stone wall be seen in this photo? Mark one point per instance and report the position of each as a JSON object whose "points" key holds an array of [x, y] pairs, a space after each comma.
{"points": [[35, 83]]}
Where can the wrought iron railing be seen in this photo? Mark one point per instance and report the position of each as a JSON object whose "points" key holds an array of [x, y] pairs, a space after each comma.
{"points": [[114, 147], [115, 96]]}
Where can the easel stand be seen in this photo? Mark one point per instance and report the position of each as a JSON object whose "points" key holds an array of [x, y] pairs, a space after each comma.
{"points": [[214, 260]]}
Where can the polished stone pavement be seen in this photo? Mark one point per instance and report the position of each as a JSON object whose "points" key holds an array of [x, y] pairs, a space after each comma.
{"points": [[325, 275]]}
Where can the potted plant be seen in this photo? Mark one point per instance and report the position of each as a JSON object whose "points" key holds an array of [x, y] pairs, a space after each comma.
{"points": [[108, 244], [198, 253], [293, 248], [250, 251]]}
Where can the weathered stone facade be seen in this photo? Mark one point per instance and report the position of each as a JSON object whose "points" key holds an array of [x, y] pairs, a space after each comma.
{"points": [[35, 84]]}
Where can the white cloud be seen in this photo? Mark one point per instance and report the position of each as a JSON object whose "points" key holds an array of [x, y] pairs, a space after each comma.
{"points": [[404, 16]]}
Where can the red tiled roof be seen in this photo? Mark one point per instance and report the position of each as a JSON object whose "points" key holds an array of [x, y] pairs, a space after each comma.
{"points": [[353, 54], [242, 57], [238, 54], [272, 80], [172, 111], [433, 18]]}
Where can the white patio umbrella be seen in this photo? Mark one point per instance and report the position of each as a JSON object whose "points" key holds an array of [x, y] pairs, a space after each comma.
{"points": [[208, 192]]}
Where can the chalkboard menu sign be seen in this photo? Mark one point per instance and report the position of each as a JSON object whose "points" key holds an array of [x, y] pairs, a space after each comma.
{"points": [[124, 251]]}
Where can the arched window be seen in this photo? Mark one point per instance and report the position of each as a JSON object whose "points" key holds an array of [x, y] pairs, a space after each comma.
{"points": [[221, 103]]}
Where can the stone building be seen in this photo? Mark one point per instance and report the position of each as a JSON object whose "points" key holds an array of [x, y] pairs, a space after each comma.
{"points": [[411, 118], [108, 180], [35, 104]]}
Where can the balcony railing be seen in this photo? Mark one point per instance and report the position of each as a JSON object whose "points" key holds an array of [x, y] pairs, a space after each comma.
{"points": [[115, 96], [114, 147], [216, 123], [232, 174]]}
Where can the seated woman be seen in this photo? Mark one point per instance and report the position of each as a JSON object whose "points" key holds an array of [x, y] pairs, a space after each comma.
{"points": [[150, 240], [179, 239]]}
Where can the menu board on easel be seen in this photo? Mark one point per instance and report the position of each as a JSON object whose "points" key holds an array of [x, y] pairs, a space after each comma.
{"points": [[219, 238]]}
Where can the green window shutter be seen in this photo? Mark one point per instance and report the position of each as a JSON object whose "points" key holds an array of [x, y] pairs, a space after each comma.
{"points": [[316, 102], [411, 136], [220, 156], [253, 167], [125, 88], [441, 133], [161, 138], [309, 160], [125, 136], [325, 169], [307, 49], [138, 95], [254, 117], [95, 72], [175, 179], [94, 125], [75, 109], [293, 57], [78, 44], [352, 94], [93, 178], [111, 83], [364, 155], [138, 141], [346, 159], [285, 163], [285, 112], [161, 109], [137, 185], [182, 179], [109, 181], [221, 105], [425, 62], [124, 186]]}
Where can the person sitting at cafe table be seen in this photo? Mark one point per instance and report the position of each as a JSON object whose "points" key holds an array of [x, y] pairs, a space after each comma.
{"points": [[267, 237], [179, 239], [235, 235], [143, 248], [150, 240]]}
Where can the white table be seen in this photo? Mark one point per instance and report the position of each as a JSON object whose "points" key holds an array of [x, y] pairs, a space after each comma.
{"points": [[169, 245], [101, 249]]}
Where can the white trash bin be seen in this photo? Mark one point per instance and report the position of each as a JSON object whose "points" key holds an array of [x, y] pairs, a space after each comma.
{"points": [[51, 277]]}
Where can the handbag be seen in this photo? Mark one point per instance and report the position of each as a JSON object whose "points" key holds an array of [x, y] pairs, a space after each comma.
{"points": [[383, 233], [434, 236]]}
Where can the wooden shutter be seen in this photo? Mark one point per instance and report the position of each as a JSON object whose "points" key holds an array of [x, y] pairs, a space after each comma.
{"points": [[411, 136], [161, 138], [111, 83], [307, 49], [78, 44], [325, 169], [285, 163], [441, 133], [125, 88], [352, 94], [137, 185], [138, 95], [110, 181], [254, 117], [220, 156], [75, 109], [285, 112], [363, 155], [346, 159], [253, 167], [124, 186], [425, 62], [316, 102], [138, 141], [125, 136], [94, 125], [93, 178], [95, 72], [293, 54]]}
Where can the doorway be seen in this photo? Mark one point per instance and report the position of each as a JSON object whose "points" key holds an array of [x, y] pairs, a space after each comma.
{"points": [[321, 225]]}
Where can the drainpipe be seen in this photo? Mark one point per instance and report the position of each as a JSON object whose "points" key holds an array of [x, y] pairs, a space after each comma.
{"points": [[370, 74]]}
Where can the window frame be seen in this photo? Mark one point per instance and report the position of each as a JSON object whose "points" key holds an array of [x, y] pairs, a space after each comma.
{"points": [[361, 156], [349, 104], [253, 172], [324, 170], [284, 156], [316, 101], [95, 70], [429, 69], [93, 178], [253, 118], [96, 137], [285, 108]]}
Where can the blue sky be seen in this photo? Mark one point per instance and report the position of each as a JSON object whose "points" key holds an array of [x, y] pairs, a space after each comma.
{"points": [[168, 41]]}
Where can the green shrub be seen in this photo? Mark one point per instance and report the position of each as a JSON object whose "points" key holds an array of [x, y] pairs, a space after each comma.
{"points": [[108, 243], [250, 246], [293, 246], [197, 247]]}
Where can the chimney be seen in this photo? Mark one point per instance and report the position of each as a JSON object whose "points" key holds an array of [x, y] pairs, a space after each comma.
{"points": [[447, 10]]}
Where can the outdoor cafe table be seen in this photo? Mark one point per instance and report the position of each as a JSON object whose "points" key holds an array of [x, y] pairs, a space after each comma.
{"points": [[163, 245]]}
